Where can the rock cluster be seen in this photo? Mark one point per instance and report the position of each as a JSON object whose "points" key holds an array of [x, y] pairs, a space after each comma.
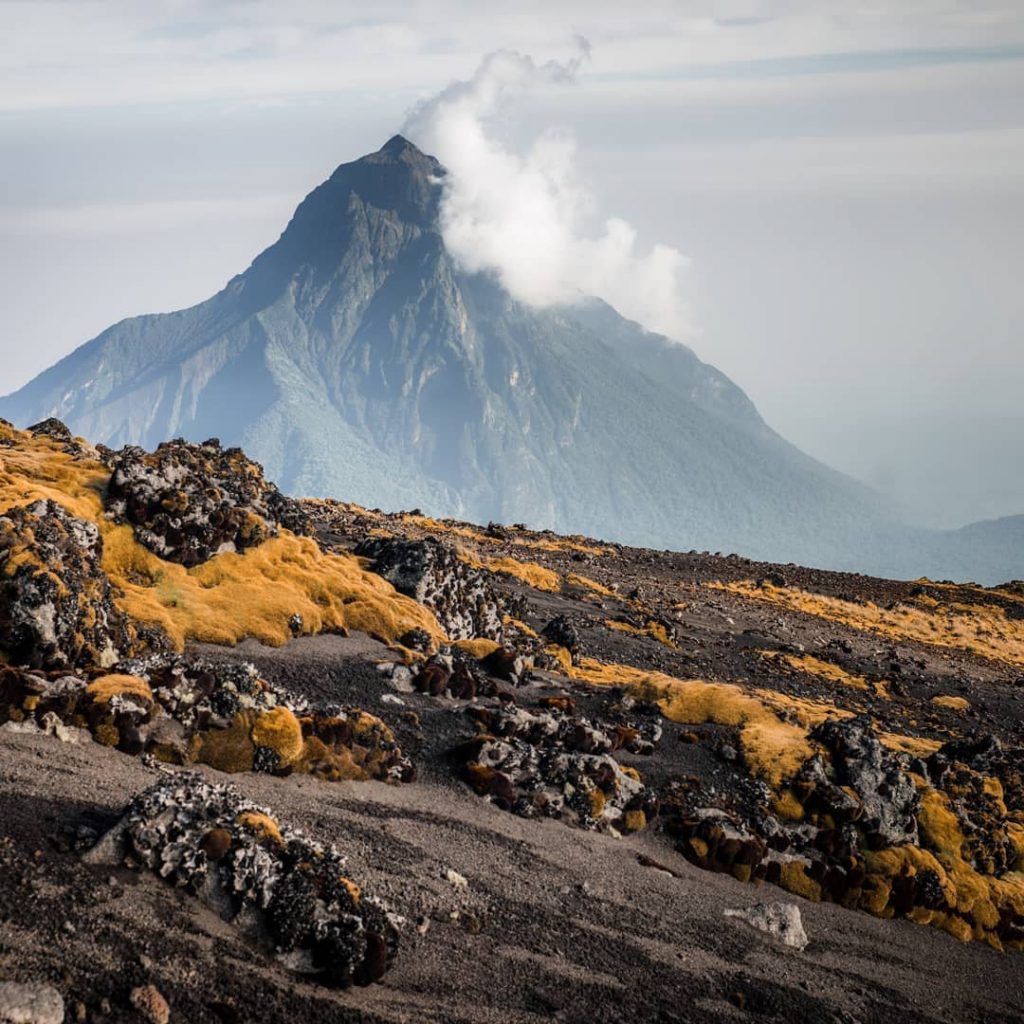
{"points": [[555, 764], [431, 572], [853, 828], [289, 894], [185, 710], [56, 603], [189, 502]]}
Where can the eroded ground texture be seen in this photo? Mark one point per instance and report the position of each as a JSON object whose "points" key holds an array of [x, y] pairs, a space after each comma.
{"points": [[336, 765]]}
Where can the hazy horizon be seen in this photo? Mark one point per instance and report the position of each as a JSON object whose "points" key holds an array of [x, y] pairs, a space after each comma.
{"points": [[843, 182]]}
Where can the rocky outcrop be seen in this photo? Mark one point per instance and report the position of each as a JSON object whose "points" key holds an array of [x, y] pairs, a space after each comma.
{"points": [[552, 764], [189, 502], [56, 603], [290, 895], [185, 710], [428, 571], [885, 801]]}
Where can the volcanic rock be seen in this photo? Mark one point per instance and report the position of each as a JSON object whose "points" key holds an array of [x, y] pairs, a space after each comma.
{"points": [[289, 894], [189, 502], [56, 603], [430, 572]]}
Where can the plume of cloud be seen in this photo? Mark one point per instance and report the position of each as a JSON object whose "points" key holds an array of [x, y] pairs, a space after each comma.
{"points": [[523, 216]]}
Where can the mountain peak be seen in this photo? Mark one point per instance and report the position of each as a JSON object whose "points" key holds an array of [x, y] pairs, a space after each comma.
{"points": [[397, 145]]}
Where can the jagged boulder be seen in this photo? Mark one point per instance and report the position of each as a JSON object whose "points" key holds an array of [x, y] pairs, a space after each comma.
{"points": [[56, 604], [553, 764], [887, 801], [189, 502], [287, 893], [430, 572]]}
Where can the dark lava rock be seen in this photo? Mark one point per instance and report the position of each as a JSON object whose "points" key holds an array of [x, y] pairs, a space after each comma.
{"points": [[285, 892], [51, 427], [56, 603], [430, 572], [549, 764], [189, 502], [561, 631], [888, 799]]}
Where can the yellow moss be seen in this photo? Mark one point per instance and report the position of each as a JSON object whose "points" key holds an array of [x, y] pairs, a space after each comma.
{"points": [[629, 770], [229, 750], [107, 735], [698, 846], [530, 573], [817, 667], [787, 807], [634, 821], [655, 630], [794, 879], [262, 824], [520, 627], [953, 703], [231, 596], [479, 647], [919, 746], [102, 689], [588, 584], [280, 730], [353, 890], [982, 629], [774, 750], [597, 803], [562, 656]]}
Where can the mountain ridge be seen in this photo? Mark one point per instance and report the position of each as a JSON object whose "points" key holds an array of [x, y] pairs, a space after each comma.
{"points": [[355, 358]]}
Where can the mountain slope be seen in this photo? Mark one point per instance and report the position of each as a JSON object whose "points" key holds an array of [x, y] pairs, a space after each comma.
{"points": [[354, 358]]}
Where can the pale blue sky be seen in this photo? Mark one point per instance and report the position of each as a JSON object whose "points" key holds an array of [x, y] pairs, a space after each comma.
{"points": [[847, 179]]}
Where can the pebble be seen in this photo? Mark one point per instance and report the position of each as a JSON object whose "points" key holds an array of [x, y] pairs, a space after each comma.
{"points": [[30, 1004], [459, 881], [151, 1004]]}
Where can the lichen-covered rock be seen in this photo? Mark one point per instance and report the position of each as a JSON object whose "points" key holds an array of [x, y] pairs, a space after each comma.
{"points": [[592, 791], [289, 894], [430, 572], [189, 502], [184, 710], [886, 800], [56, 603]]}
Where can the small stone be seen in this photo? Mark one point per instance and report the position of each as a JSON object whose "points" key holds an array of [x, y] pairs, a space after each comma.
{"points": [[459, 881], [780, 920], [30, 1004], [151, 1004]]}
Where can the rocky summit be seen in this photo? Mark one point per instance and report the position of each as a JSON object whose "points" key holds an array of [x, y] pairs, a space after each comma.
{"points": [[355, 357], [268, 759]]}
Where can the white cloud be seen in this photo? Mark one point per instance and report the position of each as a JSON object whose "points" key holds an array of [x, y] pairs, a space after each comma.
{"points": [[524, 216]]}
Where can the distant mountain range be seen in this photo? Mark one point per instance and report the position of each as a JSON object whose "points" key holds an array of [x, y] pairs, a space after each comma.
{"points": [[355, 359]]}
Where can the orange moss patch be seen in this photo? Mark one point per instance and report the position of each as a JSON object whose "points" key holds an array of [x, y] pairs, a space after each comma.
{"points": [[478, 647], [280, 730], [520, 627], [105, 687], [530, 573], [983, 630], [953, 703], [262, 824], [812, 666], [919, 746], [588, 584], [228, 598], [652, 629]]}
